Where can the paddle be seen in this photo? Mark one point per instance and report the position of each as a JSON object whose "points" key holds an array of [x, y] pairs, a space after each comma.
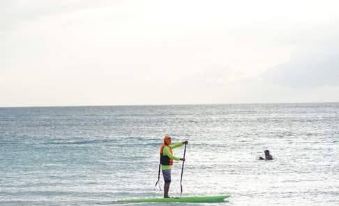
{"points": [[157, 183], [182, 170]]}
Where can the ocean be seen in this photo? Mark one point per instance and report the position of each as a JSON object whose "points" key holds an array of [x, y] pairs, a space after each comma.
{"points": [[100, 154]]}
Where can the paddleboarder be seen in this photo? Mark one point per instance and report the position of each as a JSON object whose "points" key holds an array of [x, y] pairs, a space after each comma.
{"points": [[166, 160]]}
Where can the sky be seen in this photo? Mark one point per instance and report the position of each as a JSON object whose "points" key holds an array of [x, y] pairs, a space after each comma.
{"points": [[150, 52]]}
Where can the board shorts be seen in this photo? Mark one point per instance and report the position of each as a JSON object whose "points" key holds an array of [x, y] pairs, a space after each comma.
{"points": [[167, 175]]}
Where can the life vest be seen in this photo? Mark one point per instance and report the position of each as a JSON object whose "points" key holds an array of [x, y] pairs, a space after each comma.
{"points": [[164, 159]]}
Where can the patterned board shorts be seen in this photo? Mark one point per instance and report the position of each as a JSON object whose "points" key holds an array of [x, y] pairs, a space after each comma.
{"points": [[167, 175]]}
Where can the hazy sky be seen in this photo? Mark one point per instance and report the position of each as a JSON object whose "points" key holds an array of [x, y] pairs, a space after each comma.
{"points": [[81, 52]]}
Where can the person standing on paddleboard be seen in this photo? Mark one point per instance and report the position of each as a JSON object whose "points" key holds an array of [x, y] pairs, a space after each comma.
{"points": [[166, 160]]}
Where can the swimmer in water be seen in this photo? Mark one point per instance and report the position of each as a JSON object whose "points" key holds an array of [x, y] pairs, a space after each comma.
{"points": [[268, 156]]}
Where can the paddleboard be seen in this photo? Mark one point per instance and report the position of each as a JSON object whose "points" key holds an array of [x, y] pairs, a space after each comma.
{"points": [[192, 199]]}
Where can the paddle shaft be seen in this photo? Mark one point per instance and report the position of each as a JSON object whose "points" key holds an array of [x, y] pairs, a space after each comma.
{"points": [[182, 170], [158, 178]]}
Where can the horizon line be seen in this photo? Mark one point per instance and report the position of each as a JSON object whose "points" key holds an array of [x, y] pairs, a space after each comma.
{"points": [[176, 104]]}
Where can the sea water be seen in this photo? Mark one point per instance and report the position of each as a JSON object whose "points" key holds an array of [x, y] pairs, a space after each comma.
{"points": [[97, 155]]}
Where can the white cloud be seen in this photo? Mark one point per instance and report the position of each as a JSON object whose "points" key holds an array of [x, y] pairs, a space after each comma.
{"points": [[314, 64], [143, 52]]}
